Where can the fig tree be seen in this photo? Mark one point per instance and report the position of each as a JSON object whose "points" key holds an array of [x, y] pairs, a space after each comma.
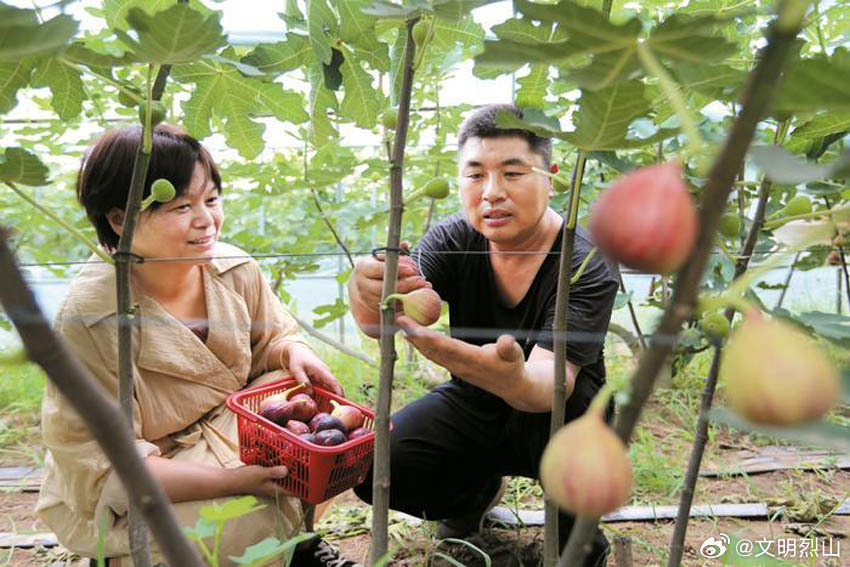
{"points": [[646, 219], [585, 468], [775, 374]]}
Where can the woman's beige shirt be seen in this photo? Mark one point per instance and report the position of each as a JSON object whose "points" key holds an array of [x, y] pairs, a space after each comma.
{"points": [[181, 385]]}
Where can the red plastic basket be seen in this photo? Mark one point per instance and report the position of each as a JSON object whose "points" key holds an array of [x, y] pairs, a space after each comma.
{"points": [[316, 473]]}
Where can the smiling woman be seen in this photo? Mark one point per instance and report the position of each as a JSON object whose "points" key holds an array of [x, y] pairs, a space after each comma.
{"points": [[206, 325]]}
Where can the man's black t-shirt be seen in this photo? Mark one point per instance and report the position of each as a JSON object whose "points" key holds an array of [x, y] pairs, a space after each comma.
{"points": [[452, 256]]}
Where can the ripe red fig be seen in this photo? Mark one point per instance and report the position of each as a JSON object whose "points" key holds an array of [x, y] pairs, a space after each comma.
{"points": [[585, 468], [329, 437], [305, 407], [359, 432], [278, 398], [350, 416], [297, 427], [277, 411], [646, 219], [775, 374], [423, 305]]}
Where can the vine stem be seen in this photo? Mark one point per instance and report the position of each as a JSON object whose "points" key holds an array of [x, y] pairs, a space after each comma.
{"points": [[696, 145], [381, 476], [559, 332], [63, 223], [755, 100]]}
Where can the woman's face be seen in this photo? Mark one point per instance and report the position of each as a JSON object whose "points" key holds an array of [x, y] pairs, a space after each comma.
{"points": [[186, 227]]}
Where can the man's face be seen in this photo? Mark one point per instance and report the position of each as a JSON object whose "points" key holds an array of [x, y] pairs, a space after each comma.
{"points": [[503, 199]]}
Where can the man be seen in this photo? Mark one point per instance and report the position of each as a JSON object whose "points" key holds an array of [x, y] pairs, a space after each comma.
{"points": [[497, 267]]}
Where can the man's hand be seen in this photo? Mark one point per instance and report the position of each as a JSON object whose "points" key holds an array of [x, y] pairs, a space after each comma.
{"points": [[307, 369], [496, 367], [500, 367], [366, 285]]}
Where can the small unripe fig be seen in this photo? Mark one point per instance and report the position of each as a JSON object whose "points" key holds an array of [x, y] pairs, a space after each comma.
{"points": [[423, 305], [437, 188], [420, 32], [158, 112], [730, 225], [715, 324], [775, 374], [559, 185], [389, 119], [585, 468], [646, 219], [798, 205], [162, 191]]}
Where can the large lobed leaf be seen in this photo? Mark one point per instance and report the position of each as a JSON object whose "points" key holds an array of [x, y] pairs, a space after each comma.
{"points": [[176, 35], [20, 166], [222, 90], [13, 77], [22, 36], [65, 83]]}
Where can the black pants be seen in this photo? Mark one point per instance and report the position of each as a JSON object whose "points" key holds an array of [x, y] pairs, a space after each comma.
{"points": [[452, 443]]}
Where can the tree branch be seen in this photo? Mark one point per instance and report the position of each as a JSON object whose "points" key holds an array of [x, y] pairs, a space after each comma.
{"points": [[100, 413], [551, 543], [381, 476], [330, 226]]}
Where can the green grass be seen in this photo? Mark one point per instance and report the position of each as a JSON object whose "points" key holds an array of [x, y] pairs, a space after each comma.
{"points": [[21, 390]]}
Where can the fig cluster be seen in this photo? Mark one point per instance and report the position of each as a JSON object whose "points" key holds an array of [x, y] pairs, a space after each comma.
{"points": [[646, 220], [299, 414]]}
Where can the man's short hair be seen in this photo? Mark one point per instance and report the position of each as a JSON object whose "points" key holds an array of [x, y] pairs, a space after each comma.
{"points": [[482, 124]]}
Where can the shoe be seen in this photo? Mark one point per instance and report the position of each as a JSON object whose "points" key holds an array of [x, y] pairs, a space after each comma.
{"points": [[321, 554], [461, 526]]}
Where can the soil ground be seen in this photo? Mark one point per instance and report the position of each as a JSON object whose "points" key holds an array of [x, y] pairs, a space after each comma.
{"points": [[800, 500]]}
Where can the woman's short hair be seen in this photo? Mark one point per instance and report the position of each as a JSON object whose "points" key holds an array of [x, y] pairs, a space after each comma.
{"points": [[103, 181]]}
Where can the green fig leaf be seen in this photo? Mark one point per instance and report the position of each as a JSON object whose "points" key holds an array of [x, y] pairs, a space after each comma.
{"points": [[20, 166]]}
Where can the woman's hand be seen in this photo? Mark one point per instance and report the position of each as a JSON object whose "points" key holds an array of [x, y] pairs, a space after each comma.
{"points": [[307, 369], [258, 480]]}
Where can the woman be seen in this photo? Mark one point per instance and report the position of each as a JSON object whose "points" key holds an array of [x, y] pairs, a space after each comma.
{"points": [[207, 324]]}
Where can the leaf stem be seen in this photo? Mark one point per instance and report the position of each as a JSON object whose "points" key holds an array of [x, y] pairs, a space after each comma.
{"points": [[671, 90], [63, 223]]}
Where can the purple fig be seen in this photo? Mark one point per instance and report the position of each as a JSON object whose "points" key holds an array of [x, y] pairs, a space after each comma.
{"points": [[277, 398], [329, 437], [297, 427], [329, 422], [305, 407], [359, 432], [316, 419], [308, 437], [278, 412], [350, 416]]}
